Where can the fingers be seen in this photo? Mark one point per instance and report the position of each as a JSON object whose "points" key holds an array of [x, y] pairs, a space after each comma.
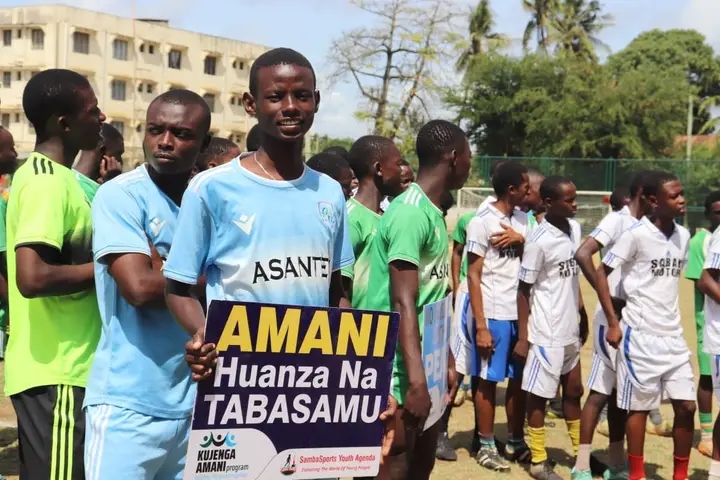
{"points": [[388, 440]]}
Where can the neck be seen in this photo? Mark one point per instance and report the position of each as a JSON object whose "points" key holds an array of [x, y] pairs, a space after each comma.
{"points": [[87, 165], [368, 195], [283, 160], [171, 185], [504, 206], [54, 149], [634, 207], [561, 223], [434, 184], [665, 225]]}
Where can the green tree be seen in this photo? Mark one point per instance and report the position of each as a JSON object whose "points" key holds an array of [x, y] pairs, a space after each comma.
{"points": [[575, 26], [541, 12], [481, 37], [317, 143]]}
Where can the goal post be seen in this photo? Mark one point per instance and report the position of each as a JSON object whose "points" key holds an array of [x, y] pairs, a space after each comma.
{"points": [[592, 206]]}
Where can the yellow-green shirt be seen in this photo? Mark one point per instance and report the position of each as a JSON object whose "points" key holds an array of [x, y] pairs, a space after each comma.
{"points": [[53, 338]]}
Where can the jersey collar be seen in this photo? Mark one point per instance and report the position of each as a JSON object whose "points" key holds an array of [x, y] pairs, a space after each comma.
{"points": [[422, 193]]}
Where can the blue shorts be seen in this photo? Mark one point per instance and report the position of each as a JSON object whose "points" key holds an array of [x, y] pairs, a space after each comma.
{"points": [[122, 444]]}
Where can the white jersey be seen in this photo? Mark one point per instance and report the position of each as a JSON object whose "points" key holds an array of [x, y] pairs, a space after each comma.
{"points": [[653, 264], [711, 334], [500, 266], [549, 265], [385, 204], [488, 200]]}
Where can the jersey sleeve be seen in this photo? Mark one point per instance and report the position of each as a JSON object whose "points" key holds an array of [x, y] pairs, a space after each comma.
{"points": [[608, 230], [477, 237], [356, 239], [712, 261], [40, 206], [622, 252], [405, 230], [696, 258], [459, 234], [343, 249], [190, 251], [117, 223], [532, 264]]}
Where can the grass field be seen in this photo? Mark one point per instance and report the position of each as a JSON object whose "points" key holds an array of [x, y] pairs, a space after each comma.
{"points": [[658, 451]]}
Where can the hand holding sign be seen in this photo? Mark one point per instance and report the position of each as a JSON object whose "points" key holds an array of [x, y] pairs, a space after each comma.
{"points": [[200, 356], [388, 417]]}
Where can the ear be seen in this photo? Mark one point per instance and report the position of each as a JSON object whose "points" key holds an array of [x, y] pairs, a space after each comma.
{"points": [[317, 100], [249, 104], [378, 169], [63, 121]]}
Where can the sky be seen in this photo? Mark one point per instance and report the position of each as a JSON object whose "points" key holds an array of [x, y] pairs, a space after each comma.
{"points": [[310, 25]]}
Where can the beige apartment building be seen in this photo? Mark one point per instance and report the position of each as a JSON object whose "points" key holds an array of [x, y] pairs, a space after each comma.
{"points": [[128, 62]]}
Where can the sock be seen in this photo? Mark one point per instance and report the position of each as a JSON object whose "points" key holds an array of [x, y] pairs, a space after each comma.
{"points": [[582, 462], [706, 426], [680, 467], [636, 464], [573, 428], [513, 444], [487, 441], [616, 454], [537, 444], [714, 473]]}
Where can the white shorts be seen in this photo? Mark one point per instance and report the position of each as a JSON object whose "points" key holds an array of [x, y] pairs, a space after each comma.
{"points": [[603, 377], [650, 367], [545, 366], [715, 364], [463, 346]]}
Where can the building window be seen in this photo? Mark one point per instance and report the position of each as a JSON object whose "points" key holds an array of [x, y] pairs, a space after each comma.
{"points": [[5, 120], [19, 33], [174, 59], [238, 138], [119, 126], [81, 42], [17, 118], [117, 89], [7, 79], [120, 49], [210, 64], [7, 38], [38, 39], [210, 100], [151, 49], [238, 64], [149, 88]]}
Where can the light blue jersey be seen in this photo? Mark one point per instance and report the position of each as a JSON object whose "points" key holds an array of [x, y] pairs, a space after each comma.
{"points": [[260, 240], [139, 364]]}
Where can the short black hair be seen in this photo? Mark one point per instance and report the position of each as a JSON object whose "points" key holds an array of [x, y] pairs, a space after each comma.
{"points": [[254, 139], [437, 138], [181, 96], [636, 184], [52, 92], [508, 174], [653, 182], [494, 167], [274, 57], [617, 198], [110, 133], [337, 150], [216, 149], [550, 187], [711, 198], [329, 164], [366, 151]]}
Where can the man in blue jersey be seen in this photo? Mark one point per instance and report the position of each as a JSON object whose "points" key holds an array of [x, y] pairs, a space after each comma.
{"points": [[240, 221], [139, 399]]}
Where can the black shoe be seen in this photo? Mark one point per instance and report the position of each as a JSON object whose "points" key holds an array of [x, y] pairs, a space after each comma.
{"points": [[444, 450], [597, 467]]}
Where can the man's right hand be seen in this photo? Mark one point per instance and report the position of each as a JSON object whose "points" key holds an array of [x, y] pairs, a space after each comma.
{"points": [[614, 336], [201, 357], [108, 164], [417, 406], [484, 342]]}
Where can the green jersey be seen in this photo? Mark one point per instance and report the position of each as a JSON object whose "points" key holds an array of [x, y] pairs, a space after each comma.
{"points": [[363, 224], [88, 186], [459, 235], [3, 250], [411, 230], [699, 244]]}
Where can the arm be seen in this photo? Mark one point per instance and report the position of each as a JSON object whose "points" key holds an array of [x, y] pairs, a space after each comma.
{"points": [[337, 291], [404, 292], [140, 284], [708, 284], [474, 277], [346, 238], [456, 264], [523, 305], [185, 306], [696, 261], [532, 264], [584, 327], [584, 257], [39, 274], [708, 281]]}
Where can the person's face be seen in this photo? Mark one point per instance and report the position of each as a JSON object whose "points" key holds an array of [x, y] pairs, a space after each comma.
{"points": [[407, 176], [114, 148], [8, 154], [566, 204], [345, 179], [714, 215], [285, 102], [533, 201], [174, 137], [83, 128], [461, 166], [389, 170], [518, 194], [670, 200], [355, 182]]}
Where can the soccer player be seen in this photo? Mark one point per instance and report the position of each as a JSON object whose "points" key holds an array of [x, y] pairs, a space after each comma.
{"points": [[407, 176], [335, 167], [219, 152], [602, 380], [377, 163], [409, 268], [8, 165], [102, 163], [533, 203], [488, 329], [654, 360], [549, 288], [254, 139], [56, 322], [699, 245], [619, 198], [140, 398]]}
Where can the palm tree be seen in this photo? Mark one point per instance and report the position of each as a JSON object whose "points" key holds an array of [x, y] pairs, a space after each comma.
{"points": [[482, 38], [575, 28], [541, 12]]}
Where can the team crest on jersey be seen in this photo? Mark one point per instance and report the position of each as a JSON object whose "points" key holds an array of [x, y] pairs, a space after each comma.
{"points": [[327, 213]]}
